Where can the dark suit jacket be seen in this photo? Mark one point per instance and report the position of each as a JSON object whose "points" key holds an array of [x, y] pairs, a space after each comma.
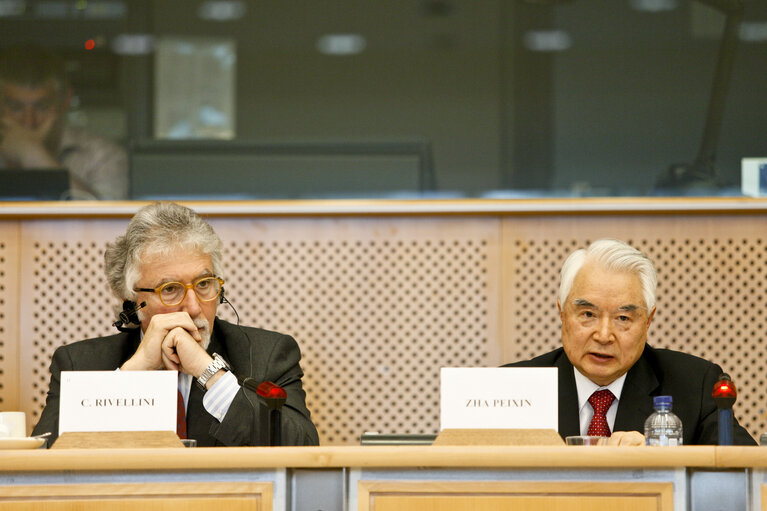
{"points": [[251, 352], [658, 372]]}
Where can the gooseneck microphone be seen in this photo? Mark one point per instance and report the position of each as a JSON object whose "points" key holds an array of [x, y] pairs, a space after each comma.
{"points": [[129, 315], [269, 415], [724, 395], [270, 396]]}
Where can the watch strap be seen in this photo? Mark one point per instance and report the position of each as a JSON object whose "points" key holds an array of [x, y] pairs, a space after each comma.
{"points": [[214, 367]]}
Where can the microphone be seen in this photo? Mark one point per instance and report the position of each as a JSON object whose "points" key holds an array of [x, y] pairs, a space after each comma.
{"points": [[724, 395], [129, 315], [269, 416]]}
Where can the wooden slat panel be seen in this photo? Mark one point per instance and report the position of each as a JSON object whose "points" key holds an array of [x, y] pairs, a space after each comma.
{"points": [[514, 503], [380, 303], [503, 496], [64, 297], [167, 496], [375, 304], [9, 316], [133, 504]]}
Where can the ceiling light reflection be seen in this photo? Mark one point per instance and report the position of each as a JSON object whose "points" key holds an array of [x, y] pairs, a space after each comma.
{"points": [[547, 40], [133, 44], [12, 7], [341, 44], [654, 5], [753, 31], [222, 10]]}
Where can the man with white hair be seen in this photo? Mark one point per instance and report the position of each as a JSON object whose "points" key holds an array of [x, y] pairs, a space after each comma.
{"points": [[608, 374], [168, 270]]}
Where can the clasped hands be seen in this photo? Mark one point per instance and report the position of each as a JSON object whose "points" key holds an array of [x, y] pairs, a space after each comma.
{"points": [[172, 342]]}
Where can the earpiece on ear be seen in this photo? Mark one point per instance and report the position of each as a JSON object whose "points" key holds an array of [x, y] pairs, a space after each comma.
{"points": [[129, 315]]}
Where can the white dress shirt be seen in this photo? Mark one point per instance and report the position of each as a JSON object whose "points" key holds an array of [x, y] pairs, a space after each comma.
{"points": [[587, 387]]}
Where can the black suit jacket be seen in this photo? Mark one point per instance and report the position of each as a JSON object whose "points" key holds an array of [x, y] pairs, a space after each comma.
{"points": [[251, 352], [658, 372]]}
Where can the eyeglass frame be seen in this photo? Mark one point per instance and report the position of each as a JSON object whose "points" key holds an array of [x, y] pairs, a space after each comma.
{"points": [[186, 287]]}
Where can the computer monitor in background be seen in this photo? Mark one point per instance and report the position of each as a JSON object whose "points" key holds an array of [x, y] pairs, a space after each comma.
{"points": [[197, 169], [34, 184]]}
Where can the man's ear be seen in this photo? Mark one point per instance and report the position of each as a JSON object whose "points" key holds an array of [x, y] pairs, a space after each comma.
{"points": [[559, 308], [651, 316]]}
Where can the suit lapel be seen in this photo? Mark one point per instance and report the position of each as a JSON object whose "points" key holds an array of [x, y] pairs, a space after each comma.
{"points": [[635, 404], [129, 347], [569, 422]]}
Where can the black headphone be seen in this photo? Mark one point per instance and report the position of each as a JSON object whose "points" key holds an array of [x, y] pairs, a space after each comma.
{"points": [[221, 298], [128, 316]]}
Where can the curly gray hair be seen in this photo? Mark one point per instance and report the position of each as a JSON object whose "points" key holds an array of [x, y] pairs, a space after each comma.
{"points": [[157, 229]]}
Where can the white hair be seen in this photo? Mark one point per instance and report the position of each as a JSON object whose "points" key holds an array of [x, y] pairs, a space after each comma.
{"points": [[614, 255]]}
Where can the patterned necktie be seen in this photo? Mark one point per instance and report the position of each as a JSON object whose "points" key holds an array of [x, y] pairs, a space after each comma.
{"points": [[600, 401], [180, 416]]}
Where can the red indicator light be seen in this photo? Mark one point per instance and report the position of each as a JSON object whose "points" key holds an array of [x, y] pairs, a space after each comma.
{"points": [[90, 44], [724, 389], [269, 390]]}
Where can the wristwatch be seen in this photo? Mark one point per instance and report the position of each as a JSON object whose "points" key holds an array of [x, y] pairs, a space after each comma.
{"points": [[214, 367]]}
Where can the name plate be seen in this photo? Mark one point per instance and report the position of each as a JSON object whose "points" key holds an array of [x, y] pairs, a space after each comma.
{"points": [[118, 401], [499, 398]]}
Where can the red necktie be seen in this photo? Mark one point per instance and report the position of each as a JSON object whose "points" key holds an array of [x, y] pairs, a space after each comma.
{"points": [[600, 401], [180, 416]]}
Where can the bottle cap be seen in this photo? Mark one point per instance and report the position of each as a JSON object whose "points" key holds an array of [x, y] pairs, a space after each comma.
{"points": [[664, 401]]}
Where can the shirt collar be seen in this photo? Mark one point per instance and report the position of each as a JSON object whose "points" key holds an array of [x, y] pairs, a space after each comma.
{"points": [[587, 387]]}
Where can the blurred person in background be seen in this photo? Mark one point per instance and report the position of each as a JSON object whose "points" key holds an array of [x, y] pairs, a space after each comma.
{"points": [[35, 96]]}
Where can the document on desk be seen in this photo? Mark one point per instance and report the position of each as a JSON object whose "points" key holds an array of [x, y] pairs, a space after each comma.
{"points": [[118, 401], [498, 398]]}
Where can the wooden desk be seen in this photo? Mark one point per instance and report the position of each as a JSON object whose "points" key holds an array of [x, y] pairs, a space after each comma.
{"points": [[384, 478]]}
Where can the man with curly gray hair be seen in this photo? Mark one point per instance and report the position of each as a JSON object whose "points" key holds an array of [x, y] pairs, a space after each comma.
{"points": [[167, 269], [608, 374]]}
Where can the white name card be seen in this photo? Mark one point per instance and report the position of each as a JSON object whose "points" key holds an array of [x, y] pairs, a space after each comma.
{"points": [[499, 398], [118, 401]]}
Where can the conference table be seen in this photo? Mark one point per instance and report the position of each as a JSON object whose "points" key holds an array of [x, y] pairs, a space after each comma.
{"points": [[384, 478]]}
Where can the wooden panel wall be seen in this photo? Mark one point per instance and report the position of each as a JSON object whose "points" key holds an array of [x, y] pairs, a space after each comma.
{"points": [[509, 496], [166, 496], [9, 316], [379, 304]]}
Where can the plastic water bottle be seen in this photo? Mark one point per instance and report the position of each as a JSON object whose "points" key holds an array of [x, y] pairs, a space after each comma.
{"points": [[663, 427]]}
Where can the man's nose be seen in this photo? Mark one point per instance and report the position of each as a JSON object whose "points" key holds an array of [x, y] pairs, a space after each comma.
{"points": [[604, 329], [191, 303], [30, 118]]}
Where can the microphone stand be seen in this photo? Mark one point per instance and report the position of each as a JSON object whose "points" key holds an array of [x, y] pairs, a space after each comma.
{"points": [[268, 414], [724, 395]]}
